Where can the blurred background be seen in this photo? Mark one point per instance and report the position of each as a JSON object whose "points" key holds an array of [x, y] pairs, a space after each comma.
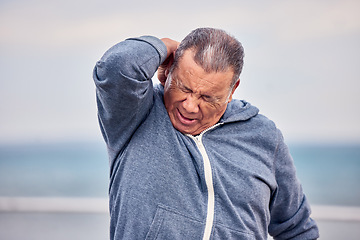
{"points": [[301, 70]]}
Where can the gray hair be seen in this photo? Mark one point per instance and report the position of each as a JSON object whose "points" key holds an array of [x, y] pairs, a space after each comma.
{"points": [[215, 51]]}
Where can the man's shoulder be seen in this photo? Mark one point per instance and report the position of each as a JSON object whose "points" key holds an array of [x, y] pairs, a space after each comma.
{"points": [[242, 112], [239, 110]]}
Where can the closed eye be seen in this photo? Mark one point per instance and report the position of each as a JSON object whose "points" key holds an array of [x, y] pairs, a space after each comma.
{"points": [[185, 89], [207, 98]]}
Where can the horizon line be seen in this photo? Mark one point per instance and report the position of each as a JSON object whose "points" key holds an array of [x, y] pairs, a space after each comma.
{"points": [[100, 205]]}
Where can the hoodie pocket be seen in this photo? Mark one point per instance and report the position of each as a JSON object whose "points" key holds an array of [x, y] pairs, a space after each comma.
{"points": [[170, 224]]}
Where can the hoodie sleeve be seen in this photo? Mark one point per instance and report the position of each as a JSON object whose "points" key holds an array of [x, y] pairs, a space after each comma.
{"points": [[289, 208], [124, 88]]}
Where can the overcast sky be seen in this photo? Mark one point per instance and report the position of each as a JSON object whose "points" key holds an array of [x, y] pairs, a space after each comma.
{"points": [[302, 63]]}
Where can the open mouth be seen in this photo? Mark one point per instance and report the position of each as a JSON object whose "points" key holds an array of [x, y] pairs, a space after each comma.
{"points": [[185, 120]]}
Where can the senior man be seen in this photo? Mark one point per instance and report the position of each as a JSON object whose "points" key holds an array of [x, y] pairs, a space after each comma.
{"points": [[186, 160]]}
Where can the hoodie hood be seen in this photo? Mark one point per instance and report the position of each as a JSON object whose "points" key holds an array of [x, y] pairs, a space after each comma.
{"points": [[239, 110]]}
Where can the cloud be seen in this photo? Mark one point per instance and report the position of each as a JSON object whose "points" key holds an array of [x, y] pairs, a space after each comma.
{"points": [[64, 23], [298, 21], [294, 50]]}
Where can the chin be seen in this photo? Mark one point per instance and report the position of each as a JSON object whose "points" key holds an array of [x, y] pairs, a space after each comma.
{"points": [[183, 129]]}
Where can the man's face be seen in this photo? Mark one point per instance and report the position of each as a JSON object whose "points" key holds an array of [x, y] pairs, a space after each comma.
{"points": [[196, 100]]}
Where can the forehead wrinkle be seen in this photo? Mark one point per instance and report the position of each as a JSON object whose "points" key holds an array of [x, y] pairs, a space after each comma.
{"points": [[196, 78], [203, 81], [202, 86], [193, 67]]}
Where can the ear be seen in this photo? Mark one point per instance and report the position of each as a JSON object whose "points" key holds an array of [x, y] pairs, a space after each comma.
{"points": [[162, 74], [164, 77], [164, 69], [233, 90]]}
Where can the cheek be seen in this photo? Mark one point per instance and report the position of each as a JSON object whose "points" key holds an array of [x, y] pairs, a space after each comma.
{"points": [[171, 98], [176, 96], [212, 113]]}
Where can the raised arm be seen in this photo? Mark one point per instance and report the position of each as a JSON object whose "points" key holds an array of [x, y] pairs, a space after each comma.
{"points": [[124, 88]]}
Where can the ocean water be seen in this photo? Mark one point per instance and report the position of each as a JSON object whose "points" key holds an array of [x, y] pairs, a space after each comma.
{"points": [[54, 170], [330, 174]]}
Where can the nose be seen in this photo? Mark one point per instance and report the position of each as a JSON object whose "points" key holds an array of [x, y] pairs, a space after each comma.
{"points": [[191, 104]]}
